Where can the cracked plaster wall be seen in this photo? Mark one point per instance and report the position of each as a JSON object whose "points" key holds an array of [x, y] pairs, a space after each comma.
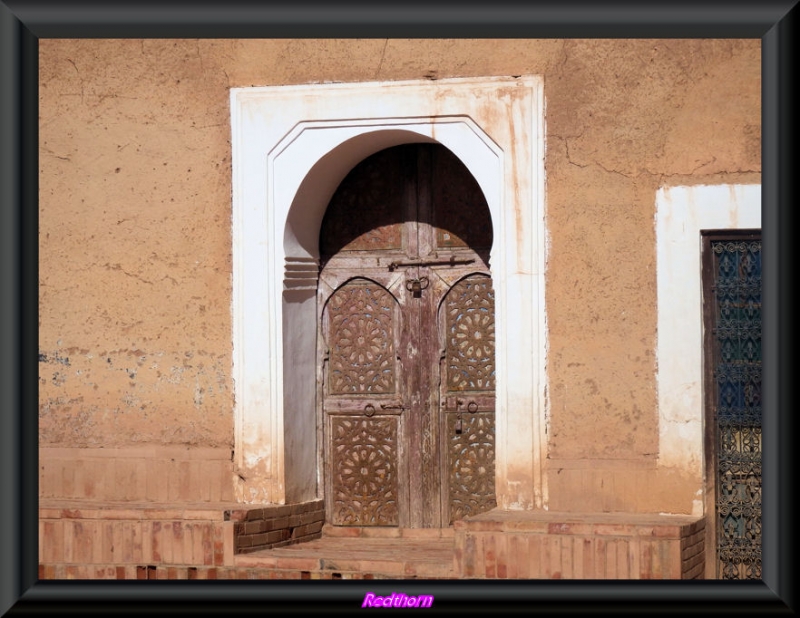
{"points": [[135, 206]]}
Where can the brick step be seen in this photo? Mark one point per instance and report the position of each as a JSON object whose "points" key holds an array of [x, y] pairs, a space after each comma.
{"points": [[179, 572], [230, 541], [387, 533], [398, 557]]}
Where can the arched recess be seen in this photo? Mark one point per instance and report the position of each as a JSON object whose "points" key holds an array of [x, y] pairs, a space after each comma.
{"points": [[301, 247], [407, 214], [291, 148]]}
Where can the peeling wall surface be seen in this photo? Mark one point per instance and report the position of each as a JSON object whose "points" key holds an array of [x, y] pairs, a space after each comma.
{"points": [[135, 263]]}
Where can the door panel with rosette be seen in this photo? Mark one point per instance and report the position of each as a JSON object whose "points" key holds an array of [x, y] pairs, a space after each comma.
{"points": [[407, 343]]}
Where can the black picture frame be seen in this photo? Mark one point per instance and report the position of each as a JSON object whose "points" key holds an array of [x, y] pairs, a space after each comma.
{"points": [[23, 23]]}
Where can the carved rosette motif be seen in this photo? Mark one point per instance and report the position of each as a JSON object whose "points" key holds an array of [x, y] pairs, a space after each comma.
{"points": [[469, 324], [470, 335], [471, 455], [364, 452], [361, 339]]}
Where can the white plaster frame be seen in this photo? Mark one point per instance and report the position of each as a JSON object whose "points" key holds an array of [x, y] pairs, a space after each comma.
{"points": [[291, 146], [681, 214]]}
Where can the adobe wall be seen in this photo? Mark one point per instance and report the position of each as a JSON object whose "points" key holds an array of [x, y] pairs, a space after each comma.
{"points": [[135, 244]]}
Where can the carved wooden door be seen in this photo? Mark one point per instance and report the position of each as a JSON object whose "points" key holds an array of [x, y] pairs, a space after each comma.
{"points": [[407, 343]]}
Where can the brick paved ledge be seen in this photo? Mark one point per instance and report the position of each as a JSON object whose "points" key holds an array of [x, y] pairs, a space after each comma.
{"points": [[545, 545], [91, 509], [403, 556], [179, 572], [82, 532], [378, 532], [83, 540]]}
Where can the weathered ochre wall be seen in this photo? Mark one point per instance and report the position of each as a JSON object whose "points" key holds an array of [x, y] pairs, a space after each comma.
{"points": [[624, 118], [135, 242]]}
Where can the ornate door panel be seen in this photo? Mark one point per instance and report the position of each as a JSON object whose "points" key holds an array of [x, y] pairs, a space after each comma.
{"points": [[733, 360], [362, 376], [404, 246], [467, 385]]}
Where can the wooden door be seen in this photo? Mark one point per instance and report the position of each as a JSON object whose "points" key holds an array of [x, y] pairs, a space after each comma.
{"points": [[407, 343]]}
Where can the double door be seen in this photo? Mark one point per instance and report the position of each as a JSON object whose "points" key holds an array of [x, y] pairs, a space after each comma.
{"points": [[406, 331]]}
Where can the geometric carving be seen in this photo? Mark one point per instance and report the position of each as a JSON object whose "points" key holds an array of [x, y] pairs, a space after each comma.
{"points": [[471, 464], [469, 366], [470, 335], [364, 471], [361, 339]]}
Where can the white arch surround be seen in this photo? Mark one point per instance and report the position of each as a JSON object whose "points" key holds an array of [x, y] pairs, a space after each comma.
{"points": [[291, 146]]}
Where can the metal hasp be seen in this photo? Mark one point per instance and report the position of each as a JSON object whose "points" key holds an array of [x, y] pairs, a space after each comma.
{"points": [[451, 262]]}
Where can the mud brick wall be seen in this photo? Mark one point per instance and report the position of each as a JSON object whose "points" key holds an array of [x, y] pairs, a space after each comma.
{"points": [[275, 526], [177, 474]]}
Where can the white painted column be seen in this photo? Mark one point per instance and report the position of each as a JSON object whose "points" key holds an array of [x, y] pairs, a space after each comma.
{"points": [[681, 214]]}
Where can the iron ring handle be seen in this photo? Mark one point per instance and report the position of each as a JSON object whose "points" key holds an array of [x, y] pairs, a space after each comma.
{"points": [[369, 409], [421, 283], [472, 406]]}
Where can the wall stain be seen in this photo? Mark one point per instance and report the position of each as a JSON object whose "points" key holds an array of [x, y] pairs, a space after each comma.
{"points": [[55, 357]]}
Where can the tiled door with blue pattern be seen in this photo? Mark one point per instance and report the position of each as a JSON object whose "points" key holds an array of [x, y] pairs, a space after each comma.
{"points": [[732, 307]]}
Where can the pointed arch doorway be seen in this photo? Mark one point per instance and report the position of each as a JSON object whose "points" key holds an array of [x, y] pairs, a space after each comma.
{"points": [[406, 343]]}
